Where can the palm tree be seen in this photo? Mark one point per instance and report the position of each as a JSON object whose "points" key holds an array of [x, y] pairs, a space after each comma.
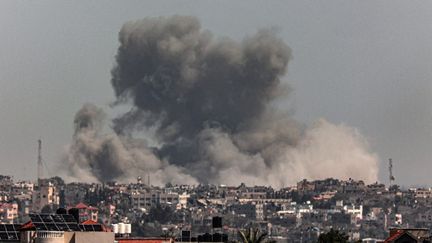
{"points": [[252, 236]]}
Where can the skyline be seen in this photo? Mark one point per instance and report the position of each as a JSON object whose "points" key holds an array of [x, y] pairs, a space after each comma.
{"points": [[342, 71]]}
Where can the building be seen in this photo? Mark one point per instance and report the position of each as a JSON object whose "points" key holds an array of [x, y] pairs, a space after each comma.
{"points": [[63, 228], [357, 212], [9, 212], [151, 198], [87, 212], [45, 195], [183, 200], [423, 193]]}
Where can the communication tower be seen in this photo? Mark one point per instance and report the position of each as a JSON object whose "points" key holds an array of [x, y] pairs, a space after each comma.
{"points": [[391, 177], [39, 162]]}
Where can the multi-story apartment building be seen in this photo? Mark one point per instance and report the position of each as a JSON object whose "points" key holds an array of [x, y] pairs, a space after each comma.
{"points": [[150, 198], [8, 212], [46, 194]]}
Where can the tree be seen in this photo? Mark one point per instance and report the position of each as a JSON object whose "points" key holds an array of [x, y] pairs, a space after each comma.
{"points": [[333, 236], [252, 236], [161, 214]]}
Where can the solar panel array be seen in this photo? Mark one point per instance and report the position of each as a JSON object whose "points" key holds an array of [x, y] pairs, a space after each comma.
{"points": [[60, 222], [91, 227], [54, 222], [9, 232]]}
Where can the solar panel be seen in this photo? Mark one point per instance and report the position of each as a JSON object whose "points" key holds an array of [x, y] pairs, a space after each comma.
{"points": [[9, 231], [63, 227], [54, 222], [40, 226], [74, 227], [46, 218], [68, 218], [97, 227], [10, 227], [4, 236], [13, 237], [52, 227], [58, 222], [35, 218], [88, 227], [91, 227], [57, 218]]}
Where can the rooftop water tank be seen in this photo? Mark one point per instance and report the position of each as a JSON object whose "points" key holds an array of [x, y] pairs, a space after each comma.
{"points": [[115, 228], [128, 228], [121, 228]]}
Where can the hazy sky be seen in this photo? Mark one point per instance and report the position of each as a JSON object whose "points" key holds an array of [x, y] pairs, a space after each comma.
{"points": [[367, 64]]}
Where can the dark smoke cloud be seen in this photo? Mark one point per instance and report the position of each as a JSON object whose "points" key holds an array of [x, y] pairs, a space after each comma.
{"points": [[182, 79], [208, 101]]}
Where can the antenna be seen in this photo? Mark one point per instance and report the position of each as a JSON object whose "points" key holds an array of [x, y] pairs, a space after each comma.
{"points": [[39, 161], [391, 177]]}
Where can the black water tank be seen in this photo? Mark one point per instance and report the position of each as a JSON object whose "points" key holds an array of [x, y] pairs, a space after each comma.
{"points": [[61, 211], [217, 222], [185, 235], [75, 213]]}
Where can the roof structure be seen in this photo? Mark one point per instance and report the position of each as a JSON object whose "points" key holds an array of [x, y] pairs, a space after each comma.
{"points": [[54, 222], [59, 222], [399, 234], [81, 206]]}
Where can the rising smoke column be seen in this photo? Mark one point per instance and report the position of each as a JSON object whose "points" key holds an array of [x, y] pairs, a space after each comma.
{"points": [[209, 102], [182, 81]]}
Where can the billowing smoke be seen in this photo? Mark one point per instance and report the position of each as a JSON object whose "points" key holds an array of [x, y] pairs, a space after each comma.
{"points": [[209, 102], [96, 157]]}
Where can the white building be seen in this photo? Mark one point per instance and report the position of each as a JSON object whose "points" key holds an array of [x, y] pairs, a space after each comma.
{"points": [[147, 199], [423, 193], [183, 200]]}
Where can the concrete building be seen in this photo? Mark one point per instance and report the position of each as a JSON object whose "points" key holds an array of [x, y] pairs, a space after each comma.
{"points": [[9, 212], [46, 194], [183, 200], [22, 188], [423, 193], [87, 212], [147, 199]]}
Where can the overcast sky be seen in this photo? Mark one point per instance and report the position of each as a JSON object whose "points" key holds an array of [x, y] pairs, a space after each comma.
{"points": [[367, 64]]}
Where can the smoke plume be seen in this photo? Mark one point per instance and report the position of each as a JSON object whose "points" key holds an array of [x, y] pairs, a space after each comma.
{"points": [[209, 102]]}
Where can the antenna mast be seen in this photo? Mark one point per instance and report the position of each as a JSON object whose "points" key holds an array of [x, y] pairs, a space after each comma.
{"points": [[391, 177], [39, 161]]}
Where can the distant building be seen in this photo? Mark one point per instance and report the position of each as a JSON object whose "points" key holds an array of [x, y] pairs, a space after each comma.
{"points": [[9, 212], [87, 212], [46, 194], [183, 201], [423, 193], [147, 199]]}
